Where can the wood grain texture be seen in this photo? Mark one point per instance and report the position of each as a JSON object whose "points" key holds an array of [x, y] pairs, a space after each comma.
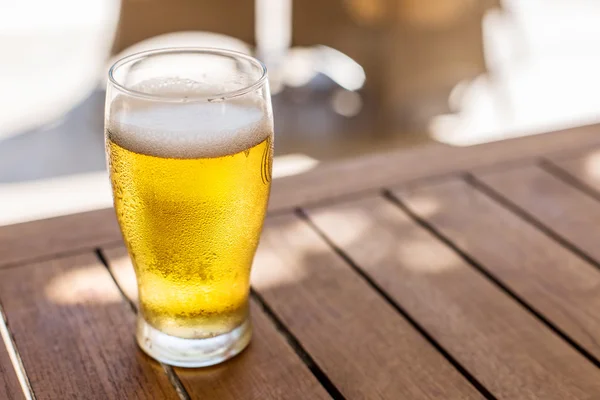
{"points": [[372, 172], [37, 239], [268, 369], [505, 347], [564, 209], [554, 281], [10, 388], [583, 167], [75, 334], [366, 348]]}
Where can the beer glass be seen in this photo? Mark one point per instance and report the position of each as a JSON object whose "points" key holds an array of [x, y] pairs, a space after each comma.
{"points": [[189, 143]]}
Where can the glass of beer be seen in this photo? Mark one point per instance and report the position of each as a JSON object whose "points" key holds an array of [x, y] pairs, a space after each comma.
{"points": [[189, 143]]}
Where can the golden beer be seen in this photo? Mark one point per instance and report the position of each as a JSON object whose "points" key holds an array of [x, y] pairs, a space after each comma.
{"points": [[192, 226], [189, 148]]}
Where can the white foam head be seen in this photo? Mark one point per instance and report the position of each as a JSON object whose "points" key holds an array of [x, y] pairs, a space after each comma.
{"points": [[186, 130]]}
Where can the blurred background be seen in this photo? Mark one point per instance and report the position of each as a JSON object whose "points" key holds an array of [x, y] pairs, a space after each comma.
{"points": [[348, 77]]}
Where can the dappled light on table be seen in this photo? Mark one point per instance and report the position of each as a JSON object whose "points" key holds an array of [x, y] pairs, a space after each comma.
{"points": [[426, 205], [592, 164], [352, 223], [292, 164], [418, 256], [80, 286], [277, 277]]}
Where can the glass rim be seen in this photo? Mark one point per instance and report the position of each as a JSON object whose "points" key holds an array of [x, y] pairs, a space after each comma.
{"points": [[257, 84]]}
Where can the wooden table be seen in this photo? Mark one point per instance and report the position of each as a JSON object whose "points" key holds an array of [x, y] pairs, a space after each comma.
{"points": [[431, 273]]}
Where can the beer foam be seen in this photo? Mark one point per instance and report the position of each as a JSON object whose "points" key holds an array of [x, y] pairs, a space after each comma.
{"points": [[186, 130]]}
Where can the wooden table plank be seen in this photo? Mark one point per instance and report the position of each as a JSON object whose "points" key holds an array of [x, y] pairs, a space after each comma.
{"points": [[372, 172], [10, 388], [74, 333], [505, 347], [268, 369], [554, 281], [566, 210], [583, 167], [66, 234], [366, 348], [34, 240]]}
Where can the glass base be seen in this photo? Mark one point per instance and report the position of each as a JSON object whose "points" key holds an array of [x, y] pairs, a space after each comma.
{"points": [[192, 353]]}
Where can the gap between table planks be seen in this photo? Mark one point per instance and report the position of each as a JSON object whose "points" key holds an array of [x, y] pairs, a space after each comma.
{"points": [[503, 345], [557, 207], [83, 342], [74, 332], [268, 369], [556, 284]]}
